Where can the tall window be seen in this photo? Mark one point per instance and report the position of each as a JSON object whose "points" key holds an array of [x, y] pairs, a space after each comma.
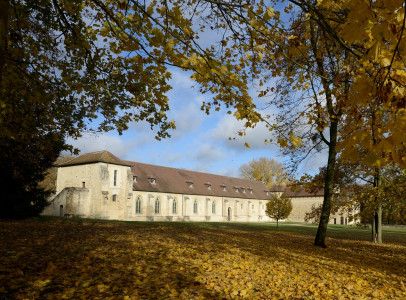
{"points": [[195, 207], [157, 206], [138, 205], [213, 207], [115, 178], [174, 206]]}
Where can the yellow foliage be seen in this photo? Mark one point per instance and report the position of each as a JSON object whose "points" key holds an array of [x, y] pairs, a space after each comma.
{"points": [[296, 141], [99, 260], [265, 170]]}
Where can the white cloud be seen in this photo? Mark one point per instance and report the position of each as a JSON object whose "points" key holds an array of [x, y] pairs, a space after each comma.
{"points": [[232, 171], [315, 161], [180, 80], [187, 119], [92, 142], [208, 153], [184, 109], [228, 126]]}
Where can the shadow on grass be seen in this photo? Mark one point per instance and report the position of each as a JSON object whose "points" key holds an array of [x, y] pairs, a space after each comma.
{"points": [[90, 260]]}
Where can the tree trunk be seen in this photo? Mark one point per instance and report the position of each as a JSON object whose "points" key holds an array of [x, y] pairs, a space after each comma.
{"points": [[379, 229], [4, 16], [328, 187], [277, 224], [374, 228], [334, 117], [377, 221]]}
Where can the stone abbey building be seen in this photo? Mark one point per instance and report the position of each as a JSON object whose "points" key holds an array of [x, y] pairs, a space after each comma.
{"points": [[100, 185]]}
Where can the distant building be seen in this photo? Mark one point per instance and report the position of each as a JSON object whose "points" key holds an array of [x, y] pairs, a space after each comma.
{"points": [[102, 186]]}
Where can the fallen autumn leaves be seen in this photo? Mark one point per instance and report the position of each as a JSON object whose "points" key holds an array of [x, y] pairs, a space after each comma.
{"points": [[84, 260]]}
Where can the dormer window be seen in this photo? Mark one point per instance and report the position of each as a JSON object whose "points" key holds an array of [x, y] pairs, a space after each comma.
{"points": [[208, 184], [152, 179], [236, 189], [223, 186], [190, 183], [243, 190], [134, 179], [251, 190]]}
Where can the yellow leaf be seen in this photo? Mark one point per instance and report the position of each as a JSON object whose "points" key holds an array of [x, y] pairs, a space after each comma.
{"points": [[247, 145], [296, 141], [223, 69], [171, 43], [270, 12], [282, 142]]}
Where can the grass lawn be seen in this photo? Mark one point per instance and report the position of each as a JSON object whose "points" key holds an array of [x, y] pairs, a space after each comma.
{"points": [[57, 258]]}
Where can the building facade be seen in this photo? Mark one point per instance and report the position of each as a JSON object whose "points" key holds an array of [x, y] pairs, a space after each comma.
{"points": [[102, 186]]}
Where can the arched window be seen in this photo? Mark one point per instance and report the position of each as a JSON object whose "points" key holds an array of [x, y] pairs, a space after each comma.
{"points": [[195, 207], [157, 206], [138, 205], [174, 206], [213, 207]]}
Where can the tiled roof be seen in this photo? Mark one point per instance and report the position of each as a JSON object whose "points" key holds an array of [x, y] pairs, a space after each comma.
{"points": [[302, 193], [296, 192], [277, 188], [179, 181], [95, 157]]}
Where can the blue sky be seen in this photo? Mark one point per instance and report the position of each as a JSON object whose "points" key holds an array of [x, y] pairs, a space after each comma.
{"points": [[200, 141]]}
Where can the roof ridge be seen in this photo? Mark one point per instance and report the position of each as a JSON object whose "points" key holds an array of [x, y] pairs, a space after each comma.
{"points": [[93, 157]]}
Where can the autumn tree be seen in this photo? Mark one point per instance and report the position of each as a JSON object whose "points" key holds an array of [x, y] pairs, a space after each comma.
{"points": [[49, 182], [394, 189], [74, 62], [345, 186], [388, 195], [268, 171], [279, 207], [109, 60], [334, 59], [23, 162]]}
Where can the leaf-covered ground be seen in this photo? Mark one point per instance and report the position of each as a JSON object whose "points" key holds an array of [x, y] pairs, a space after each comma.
{"points": [[101, 260]]}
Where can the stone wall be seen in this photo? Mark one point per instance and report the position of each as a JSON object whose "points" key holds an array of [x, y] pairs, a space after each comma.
{"points": [[71, 201], [233, 209], [105, 191]]}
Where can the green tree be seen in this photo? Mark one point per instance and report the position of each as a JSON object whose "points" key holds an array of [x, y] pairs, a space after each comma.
{"points": [[279, 207], [268, 171]]}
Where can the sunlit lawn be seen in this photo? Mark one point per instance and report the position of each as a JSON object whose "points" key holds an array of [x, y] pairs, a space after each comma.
{"points": [[54, 258]]}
